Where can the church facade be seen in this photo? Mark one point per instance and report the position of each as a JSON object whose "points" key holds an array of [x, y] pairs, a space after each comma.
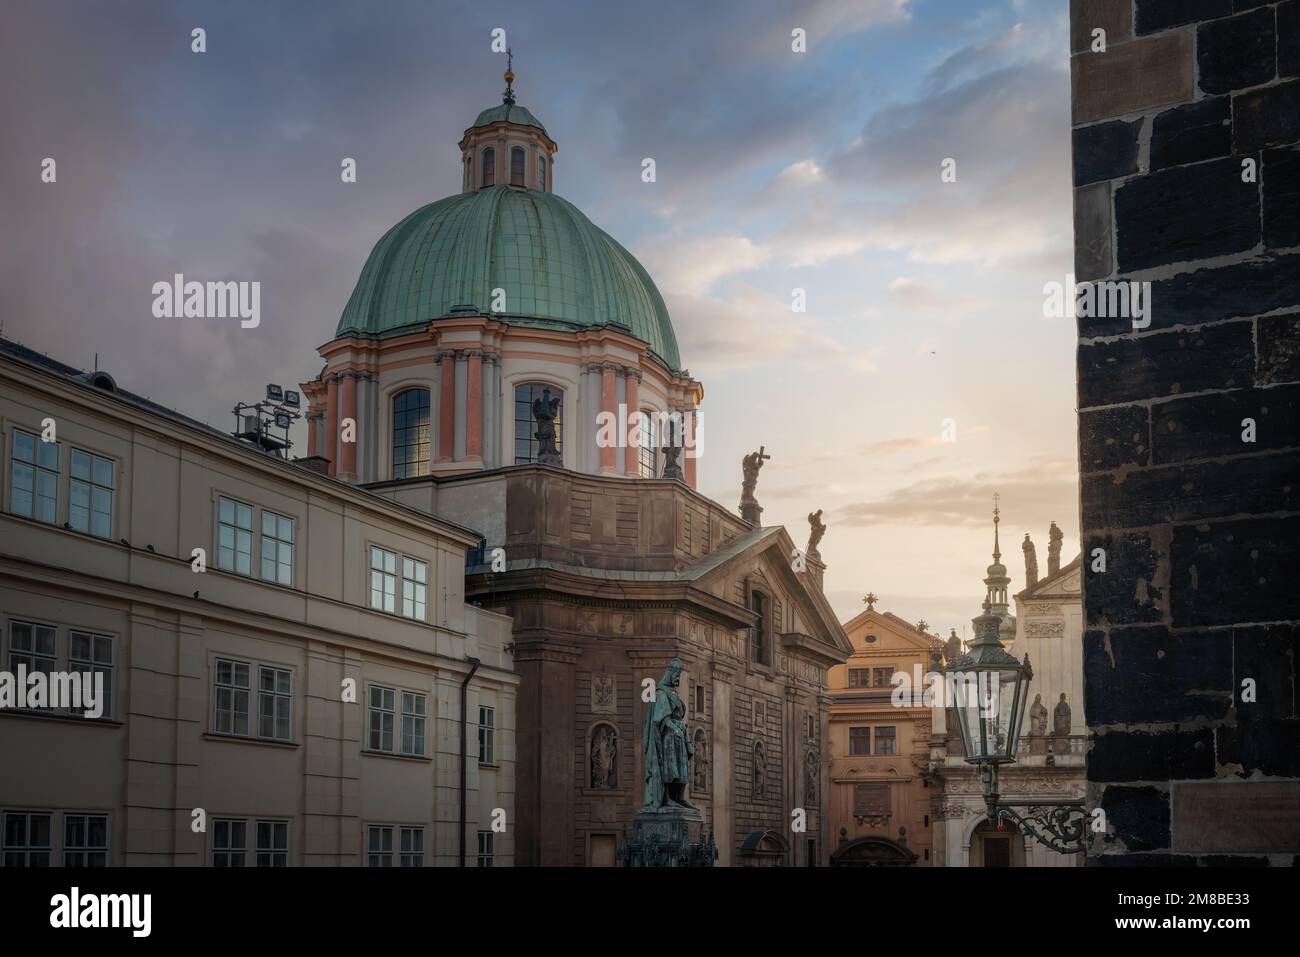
{"points": [[505, 364]]}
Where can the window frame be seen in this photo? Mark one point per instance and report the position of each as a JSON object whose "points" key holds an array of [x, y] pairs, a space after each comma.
{"points": [[27, 848], [522, 155], [280, 544], [95, 666], [486, 847], [877, 736], [86, 848], [487, 735], [423, 447], [488, 164], [862, 737], [92, 484], [647, 453], [37, 469]]}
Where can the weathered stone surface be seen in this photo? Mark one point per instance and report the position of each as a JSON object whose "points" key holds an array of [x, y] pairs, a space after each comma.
{"points": [[1166, 363], [1185, 213], [1281, 175], [1268, 747], [1105, 151], [1155, 15], [1205, 426], [1146, 675], [1151, 755], [1192, 133], [1132, 77], [1113, 16], [1288, 38], [1250, 288], [1092, 252], [1277, 342], [1139, 817], [1239, 572], [1236, 52], [1257, 652], [1191, 493], [1127, 591], [1269, 116], [1235, 817], [1109, 438]]}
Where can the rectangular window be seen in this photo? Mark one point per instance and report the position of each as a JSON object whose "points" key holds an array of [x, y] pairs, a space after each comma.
{"points": [[881, 676], [415, 580], [234, 536], [412, 847], [812, 727], [413, 718], [26, 839], [485, 848], [383, 580], [90, 494], [487, 735], [886, 741], [541, 173], [230, 697], [647, 453], [382, 718], [517, 163], [859, 677], [229, 842], [34, 478], [33, 646], [92, 655], [379, 846], [85, 840], [272, 843], [859, 740], [274, 703], [277, 548], [699, 699], [758, 633]]}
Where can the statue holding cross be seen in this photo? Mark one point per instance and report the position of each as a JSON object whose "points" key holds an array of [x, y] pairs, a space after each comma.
{"points": [[750, 510]]}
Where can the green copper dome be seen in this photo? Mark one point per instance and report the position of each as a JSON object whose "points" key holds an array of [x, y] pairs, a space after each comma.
{"points": [[508, 113], [558, 270]]}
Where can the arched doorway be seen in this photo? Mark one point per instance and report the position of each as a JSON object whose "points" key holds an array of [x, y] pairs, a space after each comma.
{"points": [[990, 847], [873, 852], [764, 849]]}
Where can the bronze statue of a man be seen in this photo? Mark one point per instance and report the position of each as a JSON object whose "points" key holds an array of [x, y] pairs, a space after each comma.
{"points": [[667, 746]]}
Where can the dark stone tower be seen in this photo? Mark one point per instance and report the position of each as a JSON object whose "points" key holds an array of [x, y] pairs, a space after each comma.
{"points": [[1186, 165]]}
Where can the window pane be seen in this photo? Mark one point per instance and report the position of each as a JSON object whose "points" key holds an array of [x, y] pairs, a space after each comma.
{"points": [[80, 465]]}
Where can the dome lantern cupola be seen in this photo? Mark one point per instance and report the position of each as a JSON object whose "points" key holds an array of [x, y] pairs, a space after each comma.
{"points": [[507, 146]]}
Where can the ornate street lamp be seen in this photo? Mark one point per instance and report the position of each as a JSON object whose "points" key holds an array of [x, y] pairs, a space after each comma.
{"points": [[988, 688]]}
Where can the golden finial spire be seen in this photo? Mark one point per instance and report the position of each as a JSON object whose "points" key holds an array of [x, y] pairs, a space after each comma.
{"points": [[508, 97]]}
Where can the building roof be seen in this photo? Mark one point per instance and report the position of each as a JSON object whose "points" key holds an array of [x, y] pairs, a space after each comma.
{"points": [[558, 271], [508, 113], [105, 383]]}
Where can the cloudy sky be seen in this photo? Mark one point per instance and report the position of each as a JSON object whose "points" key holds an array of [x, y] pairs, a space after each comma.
{"points": [[776, 171]]}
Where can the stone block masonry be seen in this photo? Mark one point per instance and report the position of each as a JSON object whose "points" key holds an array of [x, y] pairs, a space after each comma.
{"points": [[1186, 142]]}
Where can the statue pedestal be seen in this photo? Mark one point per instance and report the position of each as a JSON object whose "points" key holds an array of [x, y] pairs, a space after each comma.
{"points": [[668, 837]]}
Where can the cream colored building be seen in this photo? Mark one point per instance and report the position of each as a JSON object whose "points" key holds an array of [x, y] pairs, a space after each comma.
{"points": [[298, 702]]}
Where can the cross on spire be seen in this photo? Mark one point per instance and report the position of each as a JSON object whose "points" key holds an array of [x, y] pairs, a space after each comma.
{"points": [[870, 601]]}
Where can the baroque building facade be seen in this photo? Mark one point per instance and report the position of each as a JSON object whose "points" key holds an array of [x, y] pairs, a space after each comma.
{"points": [[492, 338], [1050, 760], [880, 807], [289, 664]]}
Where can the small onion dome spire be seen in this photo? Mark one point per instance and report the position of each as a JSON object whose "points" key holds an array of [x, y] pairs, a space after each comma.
{"points": [[508, 97]]}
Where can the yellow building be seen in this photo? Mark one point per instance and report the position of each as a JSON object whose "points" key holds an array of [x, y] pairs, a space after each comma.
{"points": [[879, 744]]}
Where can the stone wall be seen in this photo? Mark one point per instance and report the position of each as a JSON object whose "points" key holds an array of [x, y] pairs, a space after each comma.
{"points": [[1187, 175]]}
